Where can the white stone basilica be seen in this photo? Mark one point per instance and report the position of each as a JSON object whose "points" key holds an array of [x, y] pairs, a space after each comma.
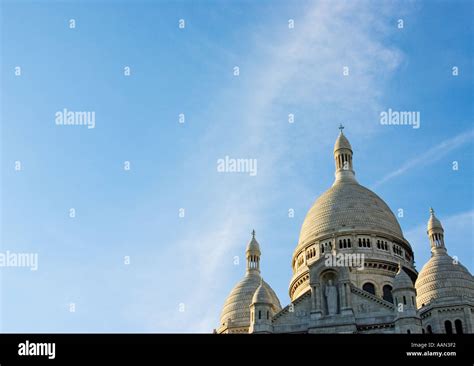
{"points": [[353, 272]]}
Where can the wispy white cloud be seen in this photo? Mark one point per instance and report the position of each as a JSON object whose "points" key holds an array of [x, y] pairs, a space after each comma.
{"points": [[430, 156], [300, 68], [306, 67]]}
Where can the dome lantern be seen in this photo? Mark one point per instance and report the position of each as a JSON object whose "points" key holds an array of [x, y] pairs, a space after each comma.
{"points": [[252, 254], [343, 158], [435, 233]]}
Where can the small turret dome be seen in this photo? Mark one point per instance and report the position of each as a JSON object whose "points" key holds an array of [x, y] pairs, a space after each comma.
{"points": [[261, 295], [402, 280]]}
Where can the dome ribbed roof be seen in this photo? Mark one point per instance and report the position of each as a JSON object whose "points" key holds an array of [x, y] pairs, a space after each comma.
{"points": [[349, 205], [237, 305], [441, 278]]}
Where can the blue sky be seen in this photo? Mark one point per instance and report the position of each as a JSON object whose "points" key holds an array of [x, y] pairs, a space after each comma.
{"points": [[135, 213]]}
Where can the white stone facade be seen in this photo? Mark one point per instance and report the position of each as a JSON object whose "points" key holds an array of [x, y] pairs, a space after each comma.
{"points": [[353, 272]]}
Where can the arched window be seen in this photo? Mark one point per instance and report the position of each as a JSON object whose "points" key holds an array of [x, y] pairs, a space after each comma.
{"points": [[404, 300], [369, 287], [387, 293], [422, 330], [448, 327], [458, 326], [259, 314], [408, 331], [429, 330]]}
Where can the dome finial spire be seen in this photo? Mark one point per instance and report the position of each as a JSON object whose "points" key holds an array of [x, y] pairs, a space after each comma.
{"points": [[343, 158], [435, 233], [253, 254]]}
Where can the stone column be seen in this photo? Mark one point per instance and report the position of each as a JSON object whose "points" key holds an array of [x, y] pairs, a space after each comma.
{"points": [[348, 294], [313, 298], [342, 296], [439, 324], [316, 307], [468, 321], [373, 242], [318, 296]]}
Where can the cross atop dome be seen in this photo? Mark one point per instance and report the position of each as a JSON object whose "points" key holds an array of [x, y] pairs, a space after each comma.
{"points": [[341, 127], [253, 233]]}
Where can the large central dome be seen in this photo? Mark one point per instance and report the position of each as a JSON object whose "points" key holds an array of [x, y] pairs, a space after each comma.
{"points": [[349, 219], [349, 205]]}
